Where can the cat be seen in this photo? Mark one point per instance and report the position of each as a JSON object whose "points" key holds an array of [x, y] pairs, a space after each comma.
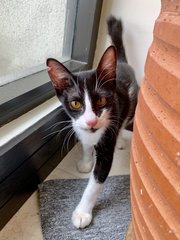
{"points": [[100, 103]]}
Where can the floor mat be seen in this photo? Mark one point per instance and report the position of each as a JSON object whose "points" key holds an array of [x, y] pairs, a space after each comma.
{"points": [[111, 215]]}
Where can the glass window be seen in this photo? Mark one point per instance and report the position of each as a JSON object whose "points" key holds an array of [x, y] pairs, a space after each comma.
{"points": [[30, 32]]}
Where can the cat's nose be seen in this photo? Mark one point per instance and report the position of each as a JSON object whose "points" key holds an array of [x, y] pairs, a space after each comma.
{"points": [[91, 122]]}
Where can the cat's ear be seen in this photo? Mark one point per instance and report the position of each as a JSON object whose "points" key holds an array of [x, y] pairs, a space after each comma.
{"points": [[59, 75], [106, 69]]}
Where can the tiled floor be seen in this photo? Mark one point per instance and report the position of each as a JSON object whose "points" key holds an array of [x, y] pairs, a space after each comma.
{"points": [[25, 225]]}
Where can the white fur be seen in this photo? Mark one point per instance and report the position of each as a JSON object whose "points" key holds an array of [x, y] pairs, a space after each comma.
{"points": [[82, 215]]}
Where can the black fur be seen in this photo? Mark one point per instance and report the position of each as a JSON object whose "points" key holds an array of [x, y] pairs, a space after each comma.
{"points": [[115, 30]]}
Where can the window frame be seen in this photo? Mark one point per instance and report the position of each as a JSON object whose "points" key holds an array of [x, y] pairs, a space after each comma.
{"points": [[28, 158], [20, 97]]}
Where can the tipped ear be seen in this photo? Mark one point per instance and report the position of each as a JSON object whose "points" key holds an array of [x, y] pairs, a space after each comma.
{"points": [[107, 66], [59, 75]]}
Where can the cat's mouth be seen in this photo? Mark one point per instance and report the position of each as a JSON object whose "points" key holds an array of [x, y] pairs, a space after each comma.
{"points": [[93, 130]]}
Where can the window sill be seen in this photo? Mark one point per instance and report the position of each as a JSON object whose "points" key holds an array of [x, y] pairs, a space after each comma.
{"points": [[19, 126]]}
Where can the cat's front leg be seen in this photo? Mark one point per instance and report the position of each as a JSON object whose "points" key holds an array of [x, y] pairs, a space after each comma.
{"points": [[82, 215], [85, 165]]}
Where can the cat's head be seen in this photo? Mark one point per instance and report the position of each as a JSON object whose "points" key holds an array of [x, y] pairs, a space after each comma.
{"points": [[87, 96]]}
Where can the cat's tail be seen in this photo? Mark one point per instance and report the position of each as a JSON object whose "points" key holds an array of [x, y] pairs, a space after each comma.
{"points": [[115, 31]]}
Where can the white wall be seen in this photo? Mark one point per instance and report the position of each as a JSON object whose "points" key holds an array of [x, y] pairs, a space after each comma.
{"points": [[138, 17]]}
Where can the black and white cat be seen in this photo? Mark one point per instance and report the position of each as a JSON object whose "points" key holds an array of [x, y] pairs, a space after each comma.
{"points": [[100, 103]]}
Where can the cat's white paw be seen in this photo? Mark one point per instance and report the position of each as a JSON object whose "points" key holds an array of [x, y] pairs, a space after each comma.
{"points": [[81, 219], [84, 166]]}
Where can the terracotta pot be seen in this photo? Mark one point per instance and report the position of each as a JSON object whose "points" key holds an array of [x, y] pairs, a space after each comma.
{"points": [[155, 157]]}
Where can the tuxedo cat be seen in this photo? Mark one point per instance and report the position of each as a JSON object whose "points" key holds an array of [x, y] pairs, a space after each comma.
{"points": [[100, 103]]}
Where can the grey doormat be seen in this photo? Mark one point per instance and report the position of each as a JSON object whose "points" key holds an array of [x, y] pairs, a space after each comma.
{"points": [[58, 199]]}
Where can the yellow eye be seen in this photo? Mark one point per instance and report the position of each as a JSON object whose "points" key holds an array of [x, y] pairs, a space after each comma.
{"points": [[76, 105], [101, 102]]}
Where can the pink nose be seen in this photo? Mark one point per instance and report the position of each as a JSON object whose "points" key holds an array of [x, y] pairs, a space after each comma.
{"points": [[91, 123]]}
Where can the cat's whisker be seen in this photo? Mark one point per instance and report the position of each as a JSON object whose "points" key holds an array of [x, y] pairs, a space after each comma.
{"points": [[69, 138], [102, 79], [108, 72], [114, 125], [111, 79], [64, 142], [57, 132], [62, 146], [57, 124], [115, 117], [104, 68], [50, 134], [66, 138], [61, 110], [99, 79], [115, 120], [113, 133], [66, 127]]}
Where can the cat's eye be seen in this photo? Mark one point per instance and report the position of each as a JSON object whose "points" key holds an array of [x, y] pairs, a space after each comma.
{"points": [[101, 102], [76, 105]]}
